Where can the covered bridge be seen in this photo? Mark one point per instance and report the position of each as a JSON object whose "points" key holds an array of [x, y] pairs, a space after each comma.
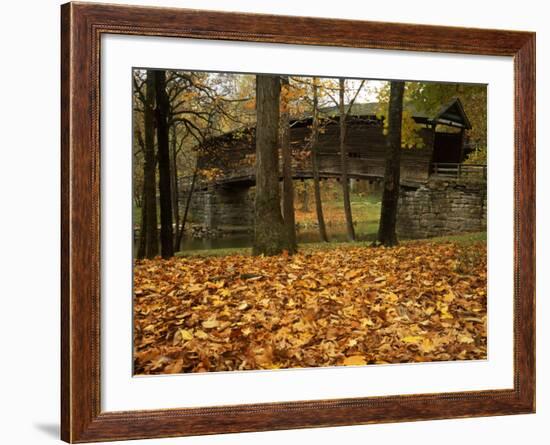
{"points": [[443, 142], [224, 198]]}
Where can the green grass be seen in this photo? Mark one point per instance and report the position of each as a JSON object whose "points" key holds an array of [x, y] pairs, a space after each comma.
{"points": [[462, 239], [370, 198], [216, 252]]}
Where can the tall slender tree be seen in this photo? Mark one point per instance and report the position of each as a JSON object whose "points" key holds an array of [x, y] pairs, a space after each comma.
{"points": [[315, 163], [174, 180], [149, 230], [344, 160], [305, 197], [270, 236], [288, 188], [181, 228], [162, 111], [386, 232], [141, 250]]}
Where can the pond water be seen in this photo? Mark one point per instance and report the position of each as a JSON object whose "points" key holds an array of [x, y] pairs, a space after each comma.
{"points": [[364, 232]]}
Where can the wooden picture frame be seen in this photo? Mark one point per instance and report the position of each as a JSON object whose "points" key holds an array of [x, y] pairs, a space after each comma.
{"points": [[82, 26]]}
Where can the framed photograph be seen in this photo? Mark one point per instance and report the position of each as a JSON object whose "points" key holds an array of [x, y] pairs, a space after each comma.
{"points": [[274, 222]]}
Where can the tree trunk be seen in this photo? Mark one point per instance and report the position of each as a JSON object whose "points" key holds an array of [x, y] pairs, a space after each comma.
{"points": [[386, 232], [162, 110], [149, 207], [288, 188], [140, 252], [174, 182], [187, 205], [305, 198], [344, 164], [315, 165], [270, 237]]}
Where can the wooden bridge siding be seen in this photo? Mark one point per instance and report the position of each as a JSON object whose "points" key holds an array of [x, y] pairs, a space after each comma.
{"points": [[366, 146], [412, 169], [367, 154]]}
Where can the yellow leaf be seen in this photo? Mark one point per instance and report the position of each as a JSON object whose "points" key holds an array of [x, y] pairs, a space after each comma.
{"points": [[427, 345], [210, 324], [446, 315], [185, 334], [201, 334], [354, 360], [352, 274], [195, 288], [413, 339], [366, 322], [391, 298], [449, 297], [444, 310], [465, 338]]}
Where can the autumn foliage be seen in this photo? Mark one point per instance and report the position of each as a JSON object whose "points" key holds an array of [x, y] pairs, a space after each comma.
{"points": [[341, 306]]}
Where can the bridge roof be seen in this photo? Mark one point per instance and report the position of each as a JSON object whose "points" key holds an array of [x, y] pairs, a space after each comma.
{"points": [[452, 113]]}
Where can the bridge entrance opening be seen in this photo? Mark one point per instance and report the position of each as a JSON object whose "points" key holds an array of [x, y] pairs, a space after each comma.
{"points": [[448, 148]]}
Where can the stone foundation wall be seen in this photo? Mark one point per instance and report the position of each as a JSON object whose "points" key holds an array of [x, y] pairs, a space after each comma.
{"points": [[442, 208], [223, 207]]}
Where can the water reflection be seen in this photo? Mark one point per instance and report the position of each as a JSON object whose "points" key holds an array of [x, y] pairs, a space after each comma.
{"points": [[365, 232]]}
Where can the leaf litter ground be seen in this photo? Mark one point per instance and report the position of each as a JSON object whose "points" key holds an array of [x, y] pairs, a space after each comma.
{"points": [[419, 302]]}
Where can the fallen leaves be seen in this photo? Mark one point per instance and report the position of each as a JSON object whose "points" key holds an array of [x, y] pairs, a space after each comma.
{"points": [[354, 360], [183, 335], [342, 306], [210, 324], [414, 339]]}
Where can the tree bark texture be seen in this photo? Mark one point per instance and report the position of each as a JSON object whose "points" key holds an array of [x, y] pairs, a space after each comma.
{"points": [[161, 114], [315, 165], [149, 206], [305, 198], [386, 231], [344, 163], [270, 236], [140, 253], [181, 230], [174, 184], [288, 187]]}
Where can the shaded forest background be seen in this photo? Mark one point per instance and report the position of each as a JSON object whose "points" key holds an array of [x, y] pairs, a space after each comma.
{"points": [[176, 112]]}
